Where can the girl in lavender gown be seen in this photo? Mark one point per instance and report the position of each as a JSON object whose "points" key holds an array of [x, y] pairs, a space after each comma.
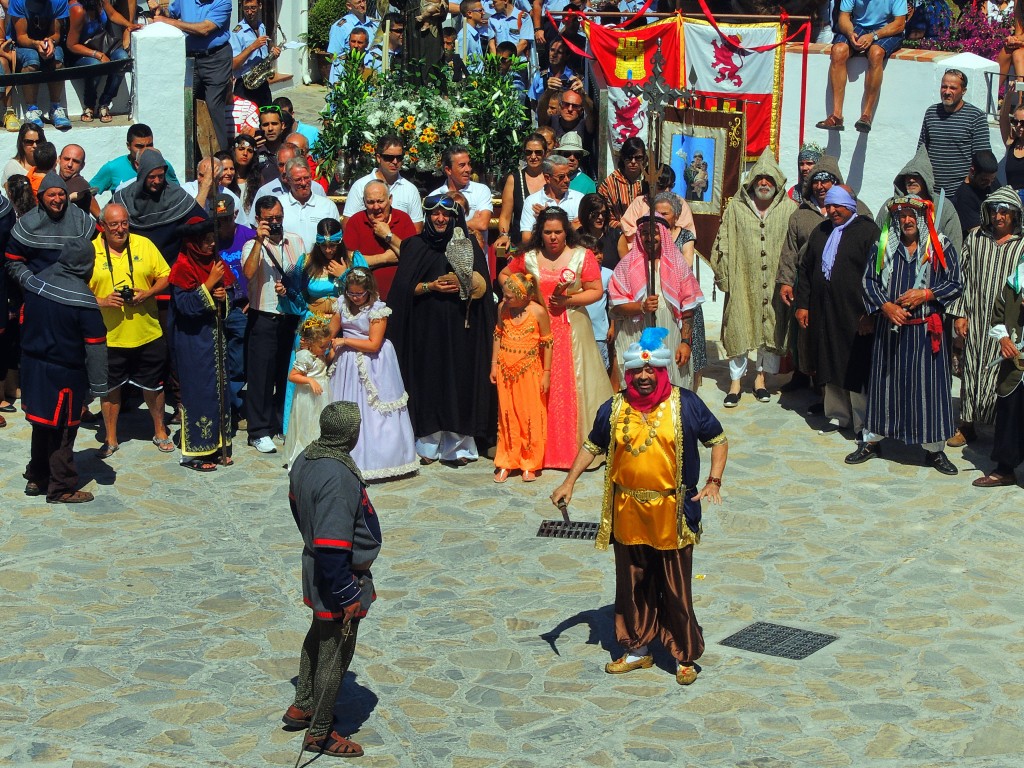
{"points": [[366, 373]]}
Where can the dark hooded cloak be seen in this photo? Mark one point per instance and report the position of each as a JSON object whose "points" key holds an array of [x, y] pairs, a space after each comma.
{"points": [[37, 239], [158, 216], [63, 339], [947, 222], [445, 365]]}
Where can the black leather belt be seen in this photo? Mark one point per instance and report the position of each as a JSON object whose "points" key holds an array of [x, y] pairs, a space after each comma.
{"points": [[207, 52]]}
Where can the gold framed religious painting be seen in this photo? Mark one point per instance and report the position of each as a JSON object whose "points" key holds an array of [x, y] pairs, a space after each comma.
{"points": [[705, 149]]}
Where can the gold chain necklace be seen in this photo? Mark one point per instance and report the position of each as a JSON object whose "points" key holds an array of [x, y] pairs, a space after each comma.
{"points": [[627, 439]]}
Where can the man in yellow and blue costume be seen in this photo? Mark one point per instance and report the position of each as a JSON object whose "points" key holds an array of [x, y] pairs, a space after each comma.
{"points": [[651, 509]]}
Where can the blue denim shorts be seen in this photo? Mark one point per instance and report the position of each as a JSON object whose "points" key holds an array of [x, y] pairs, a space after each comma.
{"points": [[888, 44], [29, 57]]}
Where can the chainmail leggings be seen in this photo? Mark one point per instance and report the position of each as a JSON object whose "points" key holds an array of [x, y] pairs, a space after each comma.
{"points": [[319, 681]]}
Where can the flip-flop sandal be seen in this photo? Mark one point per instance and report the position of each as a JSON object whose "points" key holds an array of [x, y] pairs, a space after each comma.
{"points": [[107, 451], [199, 465], [166, 445], [86, 115], [105, 116], [335, 745], [9, 408]]}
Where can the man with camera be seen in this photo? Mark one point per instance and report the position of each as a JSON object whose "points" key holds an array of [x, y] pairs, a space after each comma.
{"points": [[269, 267], [128, 276]]}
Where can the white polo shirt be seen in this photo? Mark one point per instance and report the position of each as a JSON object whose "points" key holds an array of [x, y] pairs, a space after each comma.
{"points": [[404, 197], [477, 195], [276, 188], [302, 218], [570, 204]]}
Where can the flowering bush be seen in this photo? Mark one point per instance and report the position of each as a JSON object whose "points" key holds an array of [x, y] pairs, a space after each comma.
{"points": [[483, 111], [971, 31]]}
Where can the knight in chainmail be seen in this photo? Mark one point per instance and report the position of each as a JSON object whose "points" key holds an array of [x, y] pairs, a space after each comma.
{"points": [[914, 274], [341, 537]]}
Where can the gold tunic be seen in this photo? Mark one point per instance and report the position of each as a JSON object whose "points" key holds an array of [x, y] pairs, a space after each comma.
{"points": [[643, 471]]}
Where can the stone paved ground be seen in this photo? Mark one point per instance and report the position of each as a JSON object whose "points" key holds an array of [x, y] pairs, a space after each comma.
{"points": [[159, 625]]}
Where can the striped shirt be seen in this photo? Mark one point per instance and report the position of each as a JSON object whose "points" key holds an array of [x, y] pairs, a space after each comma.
{"points": [[950, 138], [618, 192]]}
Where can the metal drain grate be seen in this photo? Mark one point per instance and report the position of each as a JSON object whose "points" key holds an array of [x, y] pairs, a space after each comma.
{"points": [[777, 640], [560, 529]]}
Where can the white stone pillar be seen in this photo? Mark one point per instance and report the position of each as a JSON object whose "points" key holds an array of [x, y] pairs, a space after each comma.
{"points": [[160, 67]]}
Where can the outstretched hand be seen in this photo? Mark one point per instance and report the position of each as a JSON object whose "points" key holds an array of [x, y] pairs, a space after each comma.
{"points": [[711, 492]]}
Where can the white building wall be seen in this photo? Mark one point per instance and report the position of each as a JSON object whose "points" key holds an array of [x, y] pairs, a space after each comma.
{"points": [[870, 161], [159, 53]]}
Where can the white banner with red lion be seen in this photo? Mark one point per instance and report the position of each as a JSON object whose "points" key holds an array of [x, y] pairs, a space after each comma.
{"points": [[719, 68]]}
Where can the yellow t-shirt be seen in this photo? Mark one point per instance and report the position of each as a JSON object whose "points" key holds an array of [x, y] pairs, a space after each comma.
{"points": [[129, 327]]}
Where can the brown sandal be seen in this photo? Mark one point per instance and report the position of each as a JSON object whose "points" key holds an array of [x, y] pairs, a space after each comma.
{"points": [[830, 123], [333, 744], [105, 116], [864, 124], [87, 115], [78, 497]]}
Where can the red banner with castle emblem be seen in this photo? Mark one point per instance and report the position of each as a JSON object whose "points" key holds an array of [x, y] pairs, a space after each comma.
{"points": [[625, 54]]}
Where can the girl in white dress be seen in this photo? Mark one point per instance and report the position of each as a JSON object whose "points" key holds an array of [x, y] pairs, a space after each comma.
{"points": [[310, 375], [367, 373]]}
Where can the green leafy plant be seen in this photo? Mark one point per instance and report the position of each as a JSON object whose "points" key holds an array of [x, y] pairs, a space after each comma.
{"points": [[321, 17], [483, 111]]}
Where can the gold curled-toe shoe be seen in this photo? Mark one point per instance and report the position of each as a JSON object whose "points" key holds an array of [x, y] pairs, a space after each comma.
{"points": [[621, 666], [685, 675]]}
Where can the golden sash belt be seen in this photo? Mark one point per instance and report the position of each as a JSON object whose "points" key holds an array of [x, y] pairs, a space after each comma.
{"points": [[643, 495]]}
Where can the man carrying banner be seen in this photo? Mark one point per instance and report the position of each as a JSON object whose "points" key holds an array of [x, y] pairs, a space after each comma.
{"points": [[651, 509]]}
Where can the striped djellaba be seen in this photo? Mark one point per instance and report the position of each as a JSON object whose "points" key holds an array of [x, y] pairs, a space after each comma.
{"points": [[909, 396], [985, 265]]}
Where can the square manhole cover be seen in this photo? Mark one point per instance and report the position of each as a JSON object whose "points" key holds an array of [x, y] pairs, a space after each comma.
{"points": [[777, 640]]}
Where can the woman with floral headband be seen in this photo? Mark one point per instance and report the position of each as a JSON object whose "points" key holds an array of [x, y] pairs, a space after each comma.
{"points": [[318, 275], [569, 278]]}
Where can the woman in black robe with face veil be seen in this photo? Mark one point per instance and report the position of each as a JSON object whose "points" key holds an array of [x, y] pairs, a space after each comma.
{"points": [[442, 332]]}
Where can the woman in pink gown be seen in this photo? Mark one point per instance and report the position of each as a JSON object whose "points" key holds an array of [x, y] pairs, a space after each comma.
{"points": [[569, 278]]}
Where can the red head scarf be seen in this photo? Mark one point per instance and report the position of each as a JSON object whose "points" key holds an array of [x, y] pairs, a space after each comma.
{"points": [[645, 403], [193, 266]]}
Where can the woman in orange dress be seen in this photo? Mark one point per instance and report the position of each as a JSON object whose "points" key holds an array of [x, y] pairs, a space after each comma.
{"points": [[569, 278], [521, 367]]}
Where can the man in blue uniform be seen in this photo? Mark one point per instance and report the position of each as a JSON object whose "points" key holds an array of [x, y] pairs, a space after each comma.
{"points": [[206, 24], [249, 46], [337, 43]]}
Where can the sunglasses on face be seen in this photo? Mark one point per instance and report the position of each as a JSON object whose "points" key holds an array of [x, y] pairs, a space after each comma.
{"points": [[533, 152], [570, 105], [392, 158], [1012, 122], [635, 159], [1000, 208], [30, 142], [356, 294]]}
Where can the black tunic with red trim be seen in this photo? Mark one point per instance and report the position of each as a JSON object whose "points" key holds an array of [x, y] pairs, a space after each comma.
{"points": [[341, 533], [54, 376]]}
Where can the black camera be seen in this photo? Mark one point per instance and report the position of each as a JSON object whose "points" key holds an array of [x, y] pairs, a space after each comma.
{"points": [[126, 293], [276, 230]]}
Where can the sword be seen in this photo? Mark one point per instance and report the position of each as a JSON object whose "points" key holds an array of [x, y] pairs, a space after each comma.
{"points": [[999, 358]]}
